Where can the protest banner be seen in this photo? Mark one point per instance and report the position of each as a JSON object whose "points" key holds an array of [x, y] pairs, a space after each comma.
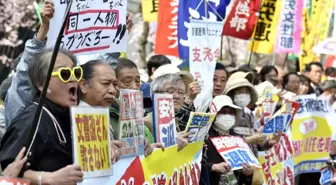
{"points": [[288, 37], [13, 181], [161, 167], [196, 11], [312, 129], [166, 35], [150, 10], [131, 123], [281, 120], [235, 151], [204, 51], [198, 126], [266, 28], [93, 26], [164, 125], [242, 19], [91, 140]]}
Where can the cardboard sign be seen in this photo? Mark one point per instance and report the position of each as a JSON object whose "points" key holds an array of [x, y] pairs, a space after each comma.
{"points": [[91, 140], [235, 151], [198, 125], [164, 119]]}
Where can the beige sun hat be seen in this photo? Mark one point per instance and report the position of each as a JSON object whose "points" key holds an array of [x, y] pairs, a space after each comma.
{"points": [[237, 81], [173, 69], [240, 74], [222, 101]]}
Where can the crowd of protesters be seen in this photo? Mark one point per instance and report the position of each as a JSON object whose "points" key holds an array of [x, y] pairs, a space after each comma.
{"points": [[237, 95]]}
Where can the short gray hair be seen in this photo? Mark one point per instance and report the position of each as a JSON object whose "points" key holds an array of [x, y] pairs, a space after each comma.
{"points": [[159, 82], [38, 67]]}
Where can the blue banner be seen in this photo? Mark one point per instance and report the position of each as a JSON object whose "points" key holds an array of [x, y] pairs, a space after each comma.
{"points": [[187, 10]]}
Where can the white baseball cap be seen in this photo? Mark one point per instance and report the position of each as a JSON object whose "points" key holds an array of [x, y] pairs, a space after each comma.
{"points": [[221, 101]]}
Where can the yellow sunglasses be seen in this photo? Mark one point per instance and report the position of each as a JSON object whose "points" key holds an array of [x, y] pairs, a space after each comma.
{"points": [[65, 73]]}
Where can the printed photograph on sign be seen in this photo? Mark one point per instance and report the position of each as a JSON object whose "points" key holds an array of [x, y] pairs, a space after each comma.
{"points": [[92, 27], [131, 124], [235, 151], [91, 140], [164, 119], [198, 126]]}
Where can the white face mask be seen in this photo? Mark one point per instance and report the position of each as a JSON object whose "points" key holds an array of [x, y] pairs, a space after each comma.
{"points": [[242, 100], [225, 122]]}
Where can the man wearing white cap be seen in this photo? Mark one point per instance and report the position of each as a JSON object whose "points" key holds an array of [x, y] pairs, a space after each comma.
{"points": [[214, 169]]}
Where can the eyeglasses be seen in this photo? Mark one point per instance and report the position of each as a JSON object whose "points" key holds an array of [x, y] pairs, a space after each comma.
{"points": [[173, 91], [65, 73]]}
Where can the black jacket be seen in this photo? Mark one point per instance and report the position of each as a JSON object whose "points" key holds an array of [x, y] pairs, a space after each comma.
{"points": [[48, 152], [211, 157]]}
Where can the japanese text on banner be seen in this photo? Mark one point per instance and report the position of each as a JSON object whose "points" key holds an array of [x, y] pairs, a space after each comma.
{"points": [[91, 140], [93, 26], [204, 51], [288, 39], [166, 35], [265, 30], [198, 126], [131, 125], [164, 124], [150, 10], [235, 151]]}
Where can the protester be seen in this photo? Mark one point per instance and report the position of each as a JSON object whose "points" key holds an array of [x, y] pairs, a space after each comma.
{"points": [[291, 82], [127, 77], [3, 92], [269, 73], [219, 80], [330, 73], [246, 69], [244, 94], [314, 72], [14, 169], [154, 63], [220, 171], [329, 90], [20, 93], [305, 87]]}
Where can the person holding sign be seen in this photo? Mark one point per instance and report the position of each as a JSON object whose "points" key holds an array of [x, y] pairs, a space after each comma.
{"points": [[51, 159], [219, 170]]}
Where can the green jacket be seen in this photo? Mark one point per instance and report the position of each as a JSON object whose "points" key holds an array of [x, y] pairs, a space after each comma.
{"points": [[114, 121]]}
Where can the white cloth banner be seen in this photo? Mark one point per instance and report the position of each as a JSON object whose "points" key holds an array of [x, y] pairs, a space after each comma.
{"points": [[94, 26], [204, 50]]}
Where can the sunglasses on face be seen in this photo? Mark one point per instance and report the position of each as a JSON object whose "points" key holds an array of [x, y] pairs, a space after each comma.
{"points": [[65, 73]]}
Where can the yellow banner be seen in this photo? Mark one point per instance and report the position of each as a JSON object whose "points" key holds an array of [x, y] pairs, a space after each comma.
{"points": [[150, 10], [175, 167], [92, 142], [265, 30]]}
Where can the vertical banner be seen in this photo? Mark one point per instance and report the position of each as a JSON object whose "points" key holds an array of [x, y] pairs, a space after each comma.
{"points": [[235, 151], [266, 28], [195, 10], [91, 140], [164, 119], [204, 47], [312, 129], [150, 10], [199, 125], [242, 19], [166, 35], [131, 123], [93, 26], [288, 37]]}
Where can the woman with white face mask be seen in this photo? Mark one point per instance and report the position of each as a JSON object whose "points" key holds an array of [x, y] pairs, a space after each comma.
{"points": [[214, 168]]}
